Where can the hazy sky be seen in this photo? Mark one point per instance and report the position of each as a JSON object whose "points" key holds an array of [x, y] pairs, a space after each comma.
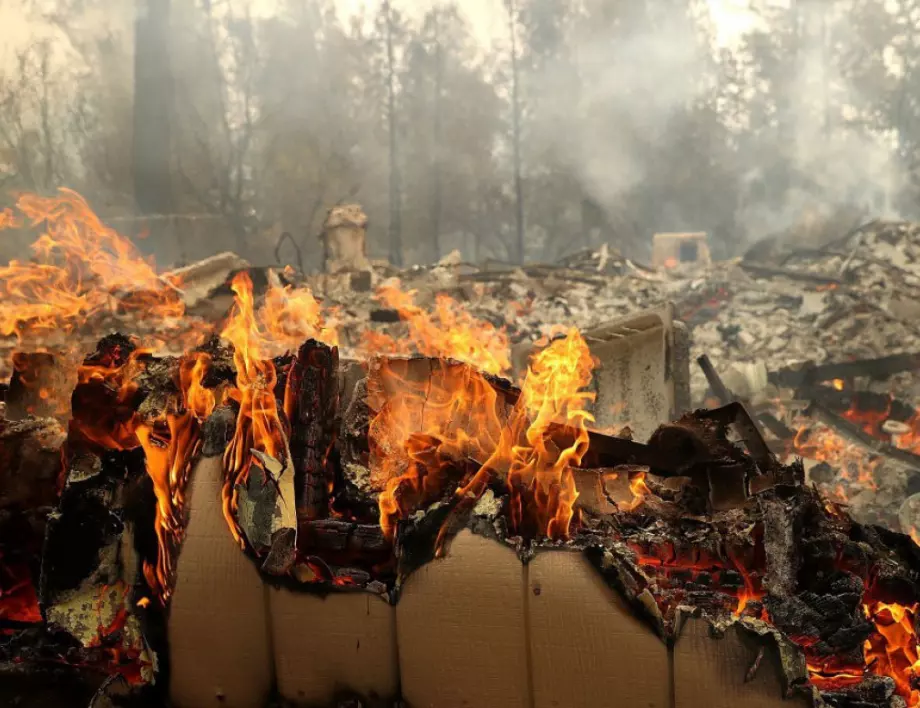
{"points": [[487, 17]]}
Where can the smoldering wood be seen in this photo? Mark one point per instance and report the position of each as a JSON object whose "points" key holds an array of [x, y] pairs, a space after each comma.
{"points": [[867, 401], [855, 433], [336, 535], [312, 401], [30, 462], [217, 431], [264, 513], [876, 368]]}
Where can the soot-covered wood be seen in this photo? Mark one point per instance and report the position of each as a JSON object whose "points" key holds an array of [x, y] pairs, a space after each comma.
{"points": [[312, 402]]}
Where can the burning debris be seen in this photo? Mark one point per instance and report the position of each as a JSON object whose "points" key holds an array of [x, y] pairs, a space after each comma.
{"points": [[307, 501]]}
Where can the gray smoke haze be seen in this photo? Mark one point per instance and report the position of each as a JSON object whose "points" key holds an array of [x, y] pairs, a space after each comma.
{"points": [[278, 110]]}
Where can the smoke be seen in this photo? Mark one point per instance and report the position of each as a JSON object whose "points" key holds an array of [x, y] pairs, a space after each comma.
{"points": [[636, 84], [840, 167]]}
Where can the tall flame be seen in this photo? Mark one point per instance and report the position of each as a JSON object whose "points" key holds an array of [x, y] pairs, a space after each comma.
{"points": [[457, 415], [170, 440], [171, 443], [258, 425]]}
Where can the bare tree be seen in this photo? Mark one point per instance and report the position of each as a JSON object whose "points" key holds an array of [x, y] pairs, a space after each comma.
{"points": [[396, 256], [516, 130], [153, 94], [437, 151]]}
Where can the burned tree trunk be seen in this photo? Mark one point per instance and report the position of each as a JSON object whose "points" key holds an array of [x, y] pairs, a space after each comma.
{"points": [[152, 108], [396, 250]]}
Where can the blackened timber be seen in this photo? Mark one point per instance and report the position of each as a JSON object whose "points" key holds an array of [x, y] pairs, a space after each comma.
{"points": [[860, 401], [774, 272], [719, 389], [335, 535], [878, 368], [312, 405], [747, 425]]}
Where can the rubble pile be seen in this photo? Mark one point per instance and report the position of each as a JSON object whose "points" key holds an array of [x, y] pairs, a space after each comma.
{"points": [[760, 319], [763, 320], [855, 299]]}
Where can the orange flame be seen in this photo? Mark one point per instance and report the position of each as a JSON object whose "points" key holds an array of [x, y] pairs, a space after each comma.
{"points": [[78, 265], [170, 445], [450, 331], [290, 316], [258, 425], [457, 415], [853, 462], [893, 649], [170, 440]]}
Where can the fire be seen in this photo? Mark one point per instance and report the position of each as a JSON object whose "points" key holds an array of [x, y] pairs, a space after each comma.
{"points": [[822, 445], [450, 331], [258, 425], [78, 265], [870, 421], [171, 444], [170, 440], [893, 649], [670, 567], [457, 415], [290, 315]]}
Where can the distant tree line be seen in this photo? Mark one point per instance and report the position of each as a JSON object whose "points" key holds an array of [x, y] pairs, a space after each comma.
{"points": [[589, 121]]}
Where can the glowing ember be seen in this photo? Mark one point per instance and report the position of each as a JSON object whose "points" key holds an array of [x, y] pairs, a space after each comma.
{"points": [[853, 462], [450, 331], [893, 649]]}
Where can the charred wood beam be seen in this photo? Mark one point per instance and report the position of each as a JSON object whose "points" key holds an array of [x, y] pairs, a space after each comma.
{"points": [[774, 272], [866, 401], [719, 389], [877, 368], [335, 535], [312, 405], [747, 426]]}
